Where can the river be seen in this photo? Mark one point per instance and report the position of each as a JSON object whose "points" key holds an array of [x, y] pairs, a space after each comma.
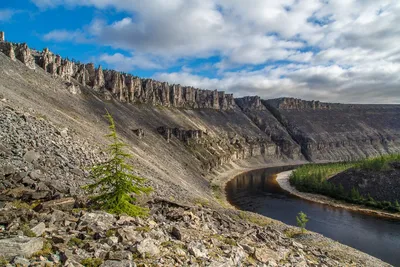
{"points": [[258, 191]]}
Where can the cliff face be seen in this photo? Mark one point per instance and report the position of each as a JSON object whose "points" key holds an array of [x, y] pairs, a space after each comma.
{"points": [[328, 131]]}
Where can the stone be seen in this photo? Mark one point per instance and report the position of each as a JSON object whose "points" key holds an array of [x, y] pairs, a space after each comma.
{"points": [[31, 156], [2, 37], [21, 262], [119, 255], [129, 234], [97, 221], [148, 247], [60, 204], [23, 54], [197, 249], [113, 263], [265, 254], [176, 233], [20, 246], [39, 229]]}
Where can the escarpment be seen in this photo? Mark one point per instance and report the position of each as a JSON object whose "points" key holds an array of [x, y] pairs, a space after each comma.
{"points": [[124, 87], [328, 131]]}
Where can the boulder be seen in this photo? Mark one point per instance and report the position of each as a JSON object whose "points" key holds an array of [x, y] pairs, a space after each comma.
{"points": [[39, 229], [20, 246], [197, 249], [148, 247], [265, 254], [97, 221], [60, 204]]}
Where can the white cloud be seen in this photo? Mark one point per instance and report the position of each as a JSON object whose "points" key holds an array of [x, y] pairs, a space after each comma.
{"points": [[7, 14], [65, 35], [123, 63], [335, 50]]}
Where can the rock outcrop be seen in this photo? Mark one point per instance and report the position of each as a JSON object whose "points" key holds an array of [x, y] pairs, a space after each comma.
{"points": [[124, 87], [2, 37]]}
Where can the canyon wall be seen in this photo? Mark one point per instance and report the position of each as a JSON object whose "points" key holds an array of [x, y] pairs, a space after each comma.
{"points": [[327, 131]]}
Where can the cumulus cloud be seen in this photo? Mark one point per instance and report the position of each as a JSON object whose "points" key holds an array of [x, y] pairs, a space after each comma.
{"points": [[314, 49]]}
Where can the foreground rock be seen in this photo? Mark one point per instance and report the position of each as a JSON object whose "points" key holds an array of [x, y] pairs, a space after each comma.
{"points": [[173, 235]]}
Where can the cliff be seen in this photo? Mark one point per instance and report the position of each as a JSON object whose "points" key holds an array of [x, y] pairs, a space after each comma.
{"points": [[335, 132]]}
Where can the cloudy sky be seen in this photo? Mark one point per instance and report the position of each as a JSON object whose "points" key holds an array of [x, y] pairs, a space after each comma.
{"points": [[330, 50]]}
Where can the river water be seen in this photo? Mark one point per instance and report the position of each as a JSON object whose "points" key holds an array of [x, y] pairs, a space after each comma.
{"points": [[258, 191]]}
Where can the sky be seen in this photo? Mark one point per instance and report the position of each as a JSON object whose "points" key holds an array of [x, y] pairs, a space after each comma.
{"points": [[330, 50]]}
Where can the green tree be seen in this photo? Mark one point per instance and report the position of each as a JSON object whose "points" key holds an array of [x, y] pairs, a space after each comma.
{"points": [[302, 220], [115, 184]]}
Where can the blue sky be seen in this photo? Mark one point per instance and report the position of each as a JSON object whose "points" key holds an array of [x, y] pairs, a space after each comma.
{"points": [[336, 51]]}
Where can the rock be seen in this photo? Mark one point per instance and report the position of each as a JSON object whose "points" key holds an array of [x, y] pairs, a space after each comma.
{"points": [[119, 255], [176, 233], [197, 249], [39, 229], [72, 263], [297, 245], [113, 263], [97, 221], [129, 234], [20, 246], [60, 204], [265, 254], [21, 262], [148, 247], [31, 156]]}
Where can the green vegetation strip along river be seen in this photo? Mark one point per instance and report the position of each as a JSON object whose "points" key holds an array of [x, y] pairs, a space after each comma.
{"points": [[314, 178]]}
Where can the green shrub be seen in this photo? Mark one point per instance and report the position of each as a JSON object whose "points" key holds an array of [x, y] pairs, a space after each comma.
{"points": [[115, 181], [92, 262], [302, 220]]}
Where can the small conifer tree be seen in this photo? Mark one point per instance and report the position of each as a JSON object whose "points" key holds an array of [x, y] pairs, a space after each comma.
{"points": [[114, 182], [302, 220]]}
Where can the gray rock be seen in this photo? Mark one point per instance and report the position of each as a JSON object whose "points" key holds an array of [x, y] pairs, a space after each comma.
{"points": [[265, 254], [113, 263], [60, 204], [119, 255], [98, 221], [197, 249], [39, 229], [20, 246], [129, 234], [148, 247], [31, 156], [21, 262]]}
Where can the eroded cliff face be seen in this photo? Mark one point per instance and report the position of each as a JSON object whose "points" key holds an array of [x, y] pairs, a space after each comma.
{"points": [[328, 131], [265, 120], [122, 86]]}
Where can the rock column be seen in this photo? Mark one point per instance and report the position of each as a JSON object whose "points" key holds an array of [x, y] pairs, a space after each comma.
{"points": [[2, 38]]}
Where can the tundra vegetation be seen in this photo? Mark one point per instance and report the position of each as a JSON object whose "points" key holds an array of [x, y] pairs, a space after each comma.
{"points": [[314, 178]]}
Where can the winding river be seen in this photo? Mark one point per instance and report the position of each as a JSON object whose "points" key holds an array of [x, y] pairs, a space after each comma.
{"points": [[258, 191]]}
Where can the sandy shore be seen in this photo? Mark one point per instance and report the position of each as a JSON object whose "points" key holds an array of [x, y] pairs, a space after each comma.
{"points": [[283, 181]]}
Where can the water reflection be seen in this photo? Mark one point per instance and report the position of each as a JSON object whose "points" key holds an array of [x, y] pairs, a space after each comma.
{"points": [[259, 192]]}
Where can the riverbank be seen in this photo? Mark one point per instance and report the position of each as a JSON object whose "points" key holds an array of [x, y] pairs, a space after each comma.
{"points": [[333, 249], [283, 181]]}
